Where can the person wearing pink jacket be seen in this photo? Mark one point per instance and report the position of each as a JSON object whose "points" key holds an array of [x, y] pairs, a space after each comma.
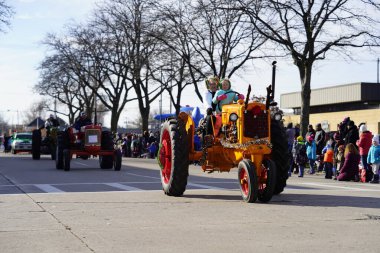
{"points": [[364, 143]]}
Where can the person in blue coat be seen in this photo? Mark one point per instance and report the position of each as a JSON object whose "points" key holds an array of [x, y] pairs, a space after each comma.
{"points": [[373, 158], [311, 152], [225, 95]]}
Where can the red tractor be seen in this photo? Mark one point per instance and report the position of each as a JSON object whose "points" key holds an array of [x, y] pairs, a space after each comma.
{"points": [[90, 140]]}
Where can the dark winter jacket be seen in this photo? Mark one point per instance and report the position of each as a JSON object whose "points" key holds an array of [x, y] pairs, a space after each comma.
{"points": [[320, 136], [352, 135], [364, 142], [350, 167]]}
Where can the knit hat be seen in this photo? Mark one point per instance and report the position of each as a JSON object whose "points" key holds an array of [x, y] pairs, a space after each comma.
{"points": [[376, 138], [300, 138], [310, 138], [363, 128]]}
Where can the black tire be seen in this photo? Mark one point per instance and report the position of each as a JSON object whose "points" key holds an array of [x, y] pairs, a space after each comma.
{"points": [[66, 159], [173, 157], [62, 143], [36, 144], [117, 160], [59, 158], [107, 140], [267, 182], [280, 155], [248, 181], [106, 161]]}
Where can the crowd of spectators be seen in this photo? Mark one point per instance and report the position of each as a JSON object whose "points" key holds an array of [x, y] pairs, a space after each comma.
{"points": [[139, 145], [351, 153]]}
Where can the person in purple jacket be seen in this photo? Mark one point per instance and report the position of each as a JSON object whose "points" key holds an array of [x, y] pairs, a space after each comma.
{"points": [[350, 168]]}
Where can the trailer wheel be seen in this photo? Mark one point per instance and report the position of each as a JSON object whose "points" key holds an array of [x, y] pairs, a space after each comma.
{"points": [[280, 155], [267, 180], [36, 144], [173, 157], [248, 181]]}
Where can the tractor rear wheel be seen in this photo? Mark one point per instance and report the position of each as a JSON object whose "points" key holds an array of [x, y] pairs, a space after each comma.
{"points": [[66, 159], [267, 180], [280, 155], [36, 144], [247, 180], [173, 157]]}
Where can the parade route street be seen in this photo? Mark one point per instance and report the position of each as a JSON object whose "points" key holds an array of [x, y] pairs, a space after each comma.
{"points": [[92, 210]]}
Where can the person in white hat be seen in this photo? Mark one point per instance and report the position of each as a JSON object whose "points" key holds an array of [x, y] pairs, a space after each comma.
{"points": [[374, 159]]}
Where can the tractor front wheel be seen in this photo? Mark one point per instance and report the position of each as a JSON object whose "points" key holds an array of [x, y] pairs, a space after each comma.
{"points": [[267, 180], [66, 159], [117, 160], [248, 181], [173, 157]]}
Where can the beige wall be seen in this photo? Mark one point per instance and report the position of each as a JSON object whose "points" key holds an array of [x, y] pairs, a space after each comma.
{"points": [[370, 117]]}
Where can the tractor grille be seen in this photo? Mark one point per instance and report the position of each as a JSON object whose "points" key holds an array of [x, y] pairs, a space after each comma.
{"points": [[92, 137], [256, 127]]}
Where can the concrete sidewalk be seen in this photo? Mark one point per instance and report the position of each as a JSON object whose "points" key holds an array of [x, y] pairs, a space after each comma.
{"points": [[305, 218]]}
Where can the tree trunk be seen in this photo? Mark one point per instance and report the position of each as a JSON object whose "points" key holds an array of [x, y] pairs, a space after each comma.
{"points": [[145, 118], [114, 121], [305, 76]]}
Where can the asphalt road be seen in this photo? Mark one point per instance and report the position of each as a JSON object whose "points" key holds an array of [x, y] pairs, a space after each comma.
{"points": [[92, 210]]}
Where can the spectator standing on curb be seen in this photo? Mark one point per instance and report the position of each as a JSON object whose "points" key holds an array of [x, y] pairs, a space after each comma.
{"points": [[311, 152], [350, 168], [299, 155], [328, 160], [339, 160], [374, 159], [290, 133], [352, 134], [364, 143], [320, 137], [310, 131], [343, 127]]}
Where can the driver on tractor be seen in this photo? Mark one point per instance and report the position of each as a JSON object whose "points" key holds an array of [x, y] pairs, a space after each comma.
{"points": [[81, 121], [222, 97], [51, 122]]}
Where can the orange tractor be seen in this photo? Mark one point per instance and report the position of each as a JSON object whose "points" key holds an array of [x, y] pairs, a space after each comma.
{"points": [[251, 138], [90, 140]]}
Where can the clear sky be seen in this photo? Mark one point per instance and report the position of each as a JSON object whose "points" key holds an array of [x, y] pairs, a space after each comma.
{"points": [[21, 52]]}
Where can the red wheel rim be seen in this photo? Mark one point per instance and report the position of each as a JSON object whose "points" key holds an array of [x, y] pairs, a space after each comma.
{"points": [[263, 178], [244, 181], [166, 156]]}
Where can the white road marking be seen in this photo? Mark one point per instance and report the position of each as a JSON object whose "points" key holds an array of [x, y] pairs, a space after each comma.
{"points": [[341, 187], [123, 187], [83, 164], [48, 188], [205, 186], [133, 174]]}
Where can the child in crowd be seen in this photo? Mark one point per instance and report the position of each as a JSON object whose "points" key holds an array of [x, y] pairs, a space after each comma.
{"points": [[339, 160], [374, 159], [311, 151], [328, 161], [299, 155]]}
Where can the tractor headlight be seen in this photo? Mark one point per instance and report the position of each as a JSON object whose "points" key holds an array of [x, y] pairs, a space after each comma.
{"points": [[278, 116], [233, 117]]}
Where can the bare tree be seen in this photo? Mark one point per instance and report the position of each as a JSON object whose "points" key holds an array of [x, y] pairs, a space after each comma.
{"points": [[6, 13], [134, 20], [308, 31]]}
